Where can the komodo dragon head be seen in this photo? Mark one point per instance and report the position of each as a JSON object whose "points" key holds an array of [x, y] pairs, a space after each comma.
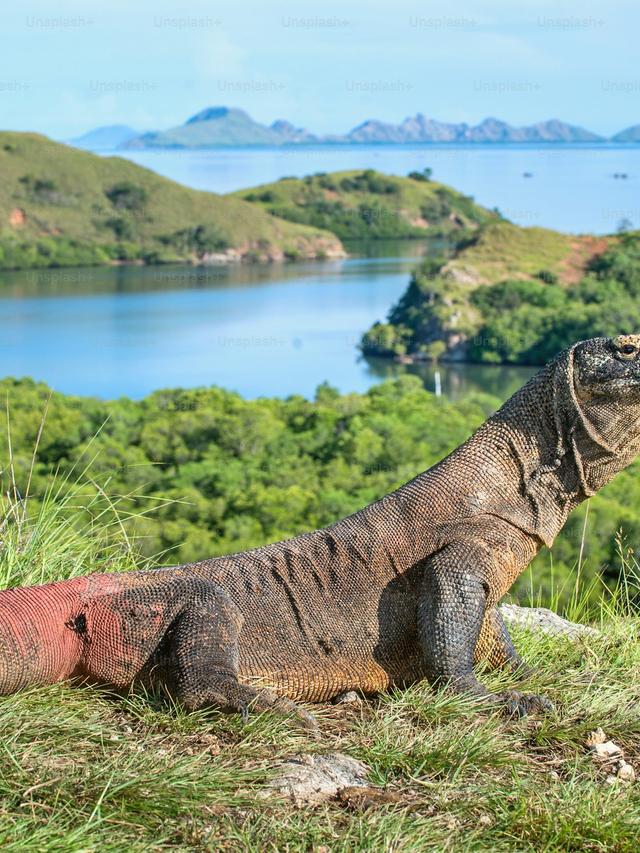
{"points": [[604, 429], [573, 427]]}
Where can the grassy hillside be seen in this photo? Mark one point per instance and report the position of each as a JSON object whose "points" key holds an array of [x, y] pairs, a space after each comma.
{"points": [[83, 770], [370, 205], [506, 251], [60, 206], [514, 295]]}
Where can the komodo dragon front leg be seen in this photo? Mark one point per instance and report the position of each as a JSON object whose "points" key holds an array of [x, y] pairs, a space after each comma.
{"points": [[458, 624]]}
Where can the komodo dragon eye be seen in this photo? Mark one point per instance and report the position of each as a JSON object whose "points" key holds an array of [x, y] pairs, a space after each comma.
{"points": [[628, 351]]}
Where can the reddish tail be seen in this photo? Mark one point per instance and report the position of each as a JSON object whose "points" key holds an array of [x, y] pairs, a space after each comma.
{"points": [[40, 633]]}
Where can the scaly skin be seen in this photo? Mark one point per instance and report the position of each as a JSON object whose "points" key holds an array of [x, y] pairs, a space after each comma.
{"points": [[403, 590]]}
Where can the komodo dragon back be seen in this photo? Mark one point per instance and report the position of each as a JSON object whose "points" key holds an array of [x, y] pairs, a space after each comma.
{"points": [[405, 589]]}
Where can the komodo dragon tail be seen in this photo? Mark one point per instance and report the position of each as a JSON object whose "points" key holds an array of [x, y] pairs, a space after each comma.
{"points": [[40, 634]]}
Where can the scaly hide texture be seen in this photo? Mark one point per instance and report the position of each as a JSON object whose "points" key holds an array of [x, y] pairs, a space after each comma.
{"points": [[402, 590]]}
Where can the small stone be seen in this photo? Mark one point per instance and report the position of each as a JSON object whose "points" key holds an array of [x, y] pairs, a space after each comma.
{"points": [[554, 775], [350, 697], [626, 772], [485, 820], [608, 749]]}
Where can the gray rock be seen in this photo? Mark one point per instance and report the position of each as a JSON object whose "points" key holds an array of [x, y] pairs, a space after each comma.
{"points": [[544, 620], [350, 697], [307, 779]]}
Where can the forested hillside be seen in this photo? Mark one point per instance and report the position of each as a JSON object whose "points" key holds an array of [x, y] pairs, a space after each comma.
{"points": [[514, 295], [369, 205]]}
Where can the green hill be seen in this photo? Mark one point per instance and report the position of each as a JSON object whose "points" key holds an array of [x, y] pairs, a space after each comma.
{"points": [[63, 207], [370, 205], [514, 295]]}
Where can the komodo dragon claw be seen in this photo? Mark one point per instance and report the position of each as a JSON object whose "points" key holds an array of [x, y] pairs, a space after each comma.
{"points": [[516, 704]]}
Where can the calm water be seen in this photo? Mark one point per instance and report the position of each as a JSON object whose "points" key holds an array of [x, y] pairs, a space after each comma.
{"points": [[260, 330], [283, 329], [572, 187]]}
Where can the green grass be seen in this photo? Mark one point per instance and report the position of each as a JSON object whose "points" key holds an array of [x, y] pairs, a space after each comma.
{"points": [[83, 770], [370, 205], [63, 207]]}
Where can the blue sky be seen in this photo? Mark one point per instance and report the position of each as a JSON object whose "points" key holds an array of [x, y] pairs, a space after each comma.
{"points": [[67, 66]]}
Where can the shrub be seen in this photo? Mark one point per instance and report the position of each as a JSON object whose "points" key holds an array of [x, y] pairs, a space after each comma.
{"points": [[127, 196], [424, 175]]}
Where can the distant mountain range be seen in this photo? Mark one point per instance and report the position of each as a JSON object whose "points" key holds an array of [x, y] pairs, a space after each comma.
{"points": [[226, 127]]}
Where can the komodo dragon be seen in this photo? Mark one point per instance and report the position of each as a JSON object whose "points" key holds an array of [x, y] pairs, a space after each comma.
{"points": [[402, 590]]}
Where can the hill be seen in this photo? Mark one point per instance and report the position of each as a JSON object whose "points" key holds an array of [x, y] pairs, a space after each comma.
{"points": [[61, 207], [629, 134], [369, 205], [218, 127], [421, 128], [106, 138], [514, 295]]}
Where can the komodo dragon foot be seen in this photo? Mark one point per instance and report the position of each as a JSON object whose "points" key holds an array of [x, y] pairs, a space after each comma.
{"points": [[516, 704], [512, 703]]}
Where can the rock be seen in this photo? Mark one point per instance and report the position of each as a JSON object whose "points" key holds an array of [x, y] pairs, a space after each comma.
{"points": [[350, 697], [308, 779], [17, 217], [626, 772], [544, 620], [607, 750], [460, 274], [611, 756]]}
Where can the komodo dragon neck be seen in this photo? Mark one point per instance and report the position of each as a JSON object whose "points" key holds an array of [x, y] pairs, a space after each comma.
{"points": [[530, 464]]}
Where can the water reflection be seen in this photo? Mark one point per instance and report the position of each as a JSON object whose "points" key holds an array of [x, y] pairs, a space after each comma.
{"points": [[457, 380]]}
